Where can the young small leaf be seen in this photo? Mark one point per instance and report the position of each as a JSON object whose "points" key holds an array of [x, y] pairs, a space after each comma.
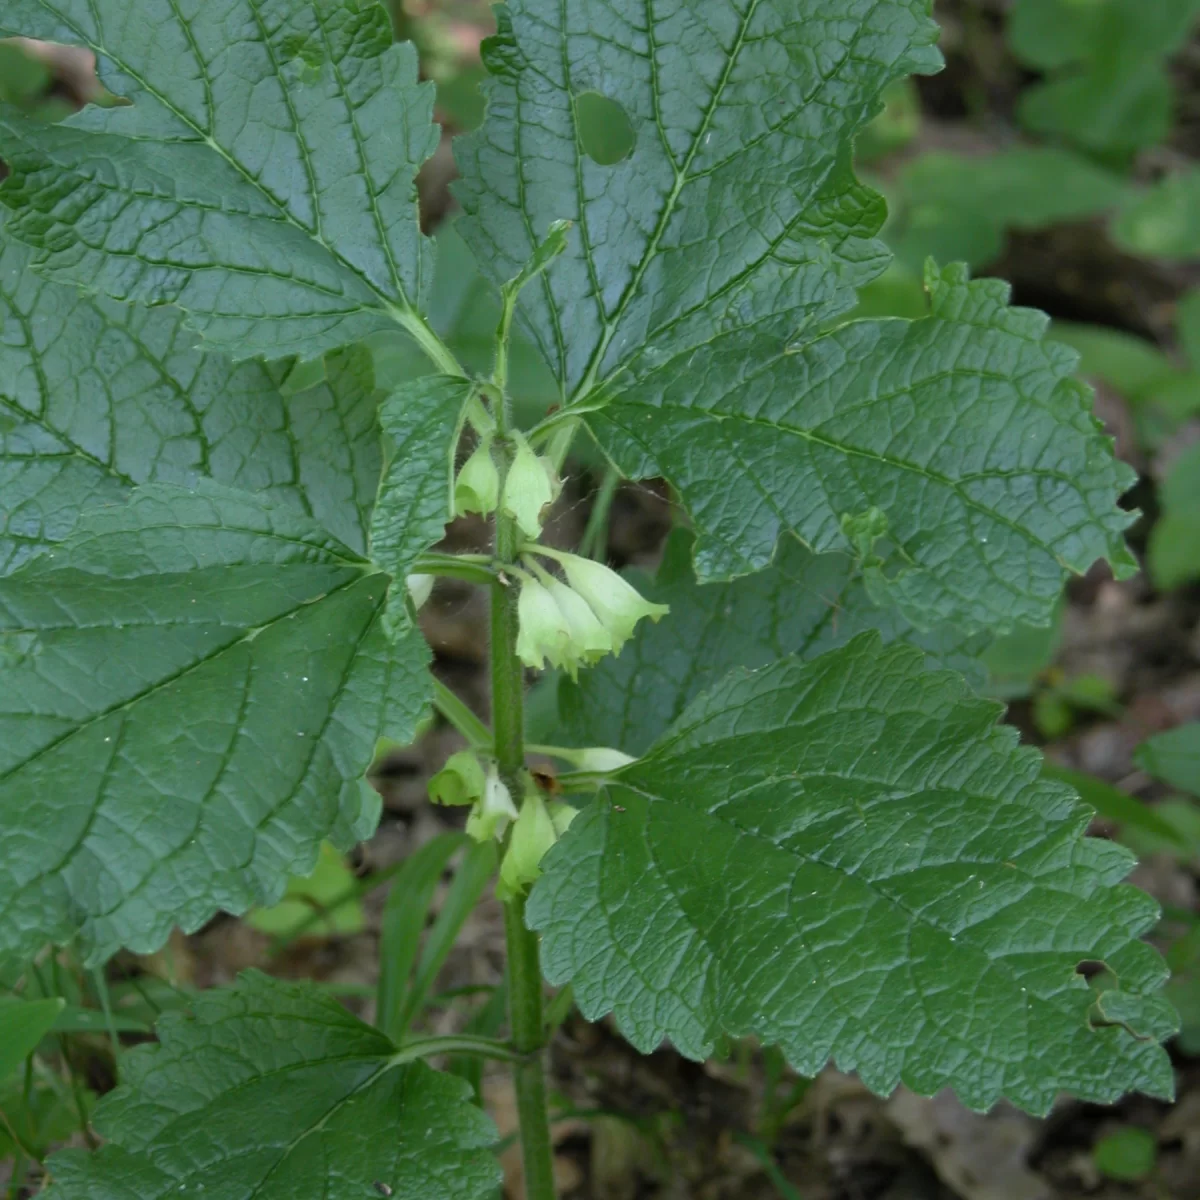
{"points": [[273, 1090], [23, 1023], [1174, 757], [419, 421], [261, 177], [192, 687], [97, 397], [804, 604], [848, 858], [1163, 221]]}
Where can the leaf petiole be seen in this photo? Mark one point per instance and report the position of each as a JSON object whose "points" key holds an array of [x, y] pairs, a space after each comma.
{"points": [[461, 1043], [461, 717], [472, 568]]}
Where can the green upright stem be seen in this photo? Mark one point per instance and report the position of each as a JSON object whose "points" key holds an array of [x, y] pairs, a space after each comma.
{"points": [[528, 1034]]}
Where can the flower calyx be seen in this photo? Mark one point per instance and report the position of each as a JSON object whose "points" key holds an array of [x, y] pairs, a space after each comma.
{"points": [[531, 484], [477, 488], [539, 825], [492, 812], [461, 781]]}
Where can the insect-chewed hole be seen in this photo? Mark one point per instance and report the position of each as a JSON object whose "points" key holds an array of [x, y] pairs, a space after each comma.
{"points": [[50, 78], [605, 130]]}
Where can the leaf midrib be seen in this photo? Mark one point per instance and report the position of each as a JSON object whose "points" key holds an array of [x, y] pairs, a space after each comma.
{"points": [[247, 635], [386, 302]]}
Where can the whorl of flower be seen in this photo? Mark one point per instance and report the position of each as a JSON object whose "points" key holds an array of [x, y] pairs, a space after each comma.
{"points": [[617, 604]]}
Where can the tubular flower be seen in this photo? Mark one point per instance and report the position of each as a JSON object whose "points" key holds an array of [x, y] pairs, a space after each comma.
{"points": [[491, 814], [618, 606], [460, 781], [545, 632], [531, 484], [589, 640], [477, 488]]}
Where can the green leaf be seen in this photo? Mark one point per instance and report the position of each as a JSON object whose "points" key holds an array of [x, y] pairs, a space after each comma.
{"points": [[1130, 364], [274, 1090], [1164, 221], [23, 1023], [192, 686], [1174, 757], [1187, 322], [324, 891], [1108, 90], [260, 177], [1174, 551], [803, 604], [848, 858], [415, 493], [97, 397], [1115, 805], [962, 434], [22, 78], [746, 103], [43, 1116], [1128, 1154], [1014, 662], [464, 309], [685, 317], [957, 207]]}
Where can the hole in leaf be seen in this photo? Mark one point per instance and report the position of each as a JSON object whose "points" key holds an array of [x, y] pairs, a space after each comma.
{"points": [[51, 80], [605, 130]]}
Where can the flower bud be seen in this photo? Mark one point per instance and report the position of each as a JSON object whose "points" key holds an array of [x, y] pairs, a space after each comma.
{"points": [[420, 588], [477, 489], [491, 815], [532, 835], [599, 760], [531, 484], [618, 605], [543, 629], [460, 781]]}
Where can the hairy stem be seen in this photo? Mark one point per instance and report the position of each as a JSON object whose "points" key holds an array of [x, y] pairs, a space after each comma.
{"points": [[528, 1038], [524, 968]]}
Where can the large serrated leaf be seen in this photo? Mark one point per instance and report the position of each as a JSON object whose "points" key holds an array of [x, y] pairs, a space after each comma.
{"points": [[686, 317], [191, 686], [804, 604], [97, 397], [848, 858], [736, 208], [261, 177], [955, 454], [273, 1090]]}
